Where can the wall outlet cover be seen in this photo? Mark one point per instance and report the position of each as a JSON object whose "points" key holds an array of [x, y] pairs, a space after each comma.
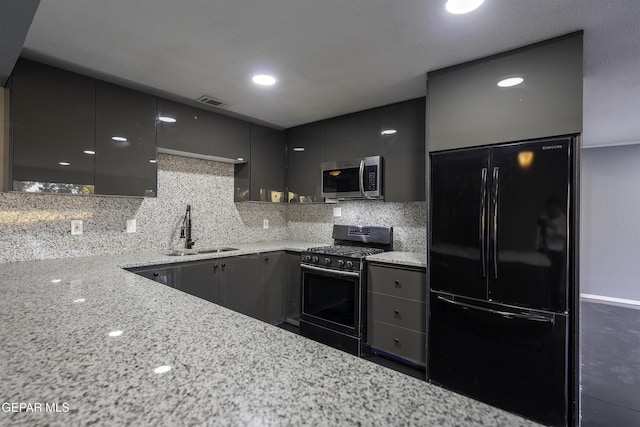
{"points": [[131, 226], [337, 212], [265, 223], [76, 227]]}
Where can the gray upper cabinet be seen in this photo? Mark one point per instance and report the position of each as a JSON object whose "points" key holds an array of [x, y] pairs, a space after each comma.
{"points": [[267, 164], [125, 159], [305, 150], [467, 107], [53, 126], [353, 136], [404, 151], [191, 132], [231, 138]]}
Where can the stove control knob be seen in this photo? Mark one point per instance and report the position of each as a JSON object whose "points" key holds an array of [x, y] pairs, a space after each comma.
{"points": [[307, 258], [315, 260], [349, 264], [327, 261], [340, 263]]}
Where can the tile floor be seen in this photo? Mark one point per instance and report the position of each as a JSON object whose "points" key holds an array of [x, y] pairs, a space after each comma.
{"points": [[610, 353]]}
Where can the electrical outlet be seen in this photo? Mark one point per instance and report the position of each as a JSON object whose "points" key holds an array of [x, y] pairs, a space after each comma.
{"points": [[131, 225], [265, 223], [337, 212], [76, 227]]}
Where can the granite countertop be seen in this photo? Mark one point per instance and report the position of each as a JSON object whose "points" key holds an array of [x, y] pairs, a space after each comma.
{"points": [[412, 259], [58, 318]]}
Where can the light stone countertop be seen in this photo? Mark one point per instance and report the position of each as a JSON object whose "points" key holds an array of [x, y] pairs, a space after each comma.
{"points": [[226, 368], [411, 259]]}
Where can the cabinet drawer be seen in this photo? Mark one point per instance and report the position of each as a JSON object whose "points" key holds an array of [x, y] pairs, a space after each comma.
{"points": [[398, 282], [398, 341], [408, 314]]}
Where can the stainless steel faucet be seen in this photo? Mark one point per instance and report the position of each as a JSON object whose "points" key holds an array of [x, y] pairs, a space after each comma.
{"points": [[185, 231]]}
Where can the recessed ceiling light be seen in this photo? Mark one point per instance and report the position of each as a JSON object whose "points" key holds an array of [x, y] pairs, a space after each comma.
{"points": [[264, 80], [119, 138], [510, 82], [64, 163], [162, 369], [388, 132], [241, 159], [167, 119], [115, 333], [89, 152], [298, 148], [458, 7], [153, 161]]}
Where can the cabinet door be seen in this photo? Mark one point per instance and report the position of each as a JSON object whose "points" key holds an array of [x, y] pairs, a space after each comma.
{"points": [[191, 132], [199, 279], [274, 287], [305, 154], [292, 290], [53, 129], [267, 164], [231, 138], [125, 142], [353, 136], [404, 151], [241, 284]]}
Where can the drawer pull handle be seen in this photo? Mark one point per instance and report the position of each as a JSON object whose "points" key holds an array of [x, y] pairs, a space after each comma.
{"points": [[396, 340], [396, 312], [155, 274], [397, 283]]}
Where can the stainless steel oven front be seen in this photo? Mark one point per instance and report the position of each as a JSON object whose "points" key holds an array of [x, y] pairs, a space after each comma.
{"points": [[331, 309]]}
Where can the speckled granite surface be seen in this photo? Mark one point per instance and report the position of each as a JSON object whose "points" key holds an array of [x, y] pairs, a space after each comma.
{"points": [[412, 259], [226, 368]]}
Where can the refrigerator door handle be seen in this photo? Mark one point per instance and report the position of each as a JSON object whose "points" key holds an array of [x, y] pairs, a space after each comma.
{"points": [[483, 221], [494, 220], [510, 315]]}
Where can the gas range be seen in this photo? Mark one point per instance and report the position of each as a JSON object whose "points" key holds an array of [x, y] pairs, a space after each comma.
{"points": [[343, 257]]}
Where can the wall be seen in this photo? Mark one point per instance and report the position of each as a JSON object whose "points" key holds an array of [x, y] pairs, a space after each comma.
{"points": [[610, 231], [37, 226], [315, 222]]}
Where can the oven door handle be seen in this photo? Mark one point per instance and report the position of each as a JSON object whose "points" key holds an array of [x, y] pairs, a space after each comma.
{"points": [[329, 272]]}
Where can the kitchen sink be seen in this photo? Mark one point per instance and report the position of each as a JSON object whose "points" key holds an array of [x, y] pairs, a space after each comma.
{"points": [[215, 250], [186, 252]]}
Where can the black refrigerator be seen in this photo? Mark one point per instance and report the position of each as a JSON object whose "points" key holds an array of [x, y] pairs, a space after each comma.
{"points": [[501, 276]]}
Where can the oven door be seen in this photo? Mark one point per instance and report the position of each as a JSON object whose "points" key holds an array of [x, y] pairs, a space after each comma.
{"points": [[331, 299]]}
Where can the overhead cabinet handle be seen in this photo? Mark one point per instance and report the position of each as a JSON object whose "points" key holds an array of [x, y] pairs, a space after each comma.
{"points": [[511, 315]]}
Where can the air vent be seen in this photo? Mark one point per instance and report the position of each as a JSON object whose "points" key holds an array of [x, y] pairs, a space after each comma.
{"points": [[211, 101]]}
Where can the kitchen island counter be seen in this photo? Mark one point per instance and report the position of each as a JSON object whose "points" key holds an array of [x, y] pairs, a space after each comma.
{"points": [[88, 337]]}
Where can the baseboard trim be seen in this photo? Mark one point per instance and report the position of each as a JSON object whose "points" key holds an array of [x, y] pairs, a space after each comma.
{"points": [[612, 300]]}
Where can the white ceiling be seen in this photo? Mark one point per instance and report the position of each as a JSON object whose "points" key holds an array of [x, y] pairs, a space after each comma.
{"points": [[333, 56]]}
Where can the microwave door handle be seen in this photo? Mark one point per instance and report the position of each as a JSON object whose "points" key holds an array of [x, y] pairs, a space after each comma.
{"points": [[361, 177]]}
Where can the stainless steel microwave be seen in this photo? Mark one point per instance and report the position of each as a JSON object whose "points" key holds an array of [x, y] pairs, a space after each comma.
{"points": [[353, 179]]}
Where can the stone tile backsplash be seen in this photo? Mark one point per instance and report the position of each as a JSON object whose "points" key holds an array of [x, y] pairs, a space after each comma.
{"points": [[37, 226]]}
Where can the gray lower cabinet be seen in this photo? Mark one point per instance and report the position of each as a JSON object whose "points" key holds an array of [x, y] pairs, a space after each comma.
{"points": [[292, 288], [241, 284], [273, 301], [396, 311], [199, 279]]}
